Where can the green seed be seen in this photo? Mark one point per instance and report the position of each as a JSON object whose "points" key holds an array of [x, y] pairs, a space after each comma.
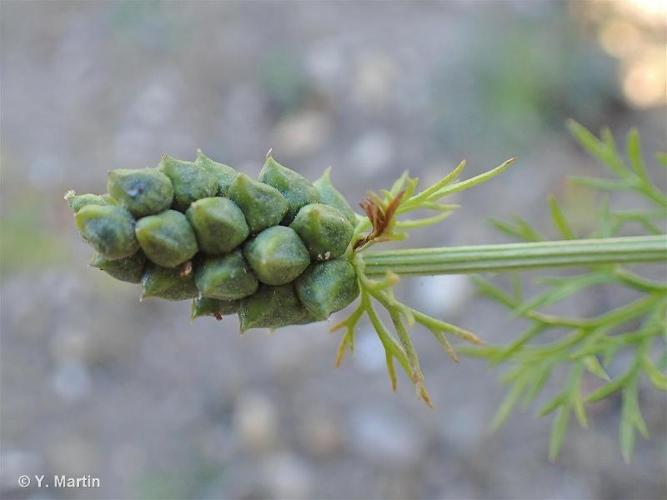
{"points": [[145, 191], [167, 239], [191, 182], [225, 278], [262, 205], [174, 283], [324, 230], [77, 201], [273, 307], [298, 190], [327, 287], [108, 229], [224, 174], [329, 195], [219, 224], [204, 306], [129, 269], [277, 255]]}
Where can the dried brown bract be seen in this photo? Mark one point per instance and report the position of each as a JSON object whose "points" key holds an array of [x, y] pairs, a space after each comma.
{"points": [[380, 216]]}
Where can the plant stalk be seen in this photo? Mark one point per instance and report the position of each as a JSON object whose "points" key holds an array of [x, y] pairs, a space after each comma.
{"points": [[517, 256]]}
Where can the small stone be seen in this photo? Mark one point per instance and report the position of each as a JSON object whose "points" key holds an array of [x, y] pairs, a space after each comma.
{"points": [[302, 133], [256, 421]]}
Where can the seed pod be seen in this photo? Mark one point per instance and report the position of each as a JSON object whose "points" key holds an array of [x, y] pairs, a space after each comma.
{"points": [[224, 174], [167, 239], [171, 283], [329, 195], [108, 229], [77, 201], [203, 306], [324, 230], [225, 278], [327, 287], [262, 205], [191, 182], [219, 224], [129, 269], [272, 307], [144, 191], [276, 255], [298, 190]]}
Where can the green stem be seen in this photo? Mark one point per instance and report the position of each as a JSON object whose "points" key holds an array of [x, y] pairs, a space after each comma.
{"points": [[516, 256]]}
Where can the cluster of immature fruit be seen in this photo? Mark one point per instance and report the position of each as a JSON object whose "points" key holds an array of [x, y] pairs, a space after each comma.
{"points": [[271, 250]]}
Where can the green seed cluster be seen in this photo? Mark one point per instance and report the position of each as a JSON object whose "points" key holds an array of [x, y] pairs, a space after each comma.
{"points": [[270, 250]]}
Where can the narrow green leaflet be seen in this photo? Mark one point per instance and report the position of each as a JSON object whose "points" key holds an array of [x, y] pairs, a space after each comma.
{"points": [[593, 343], [385, 221]]}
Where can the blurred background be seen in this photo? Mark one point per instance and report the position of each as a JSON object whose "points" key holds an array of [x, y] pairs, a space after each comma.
{"points": [[157, 406]]}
